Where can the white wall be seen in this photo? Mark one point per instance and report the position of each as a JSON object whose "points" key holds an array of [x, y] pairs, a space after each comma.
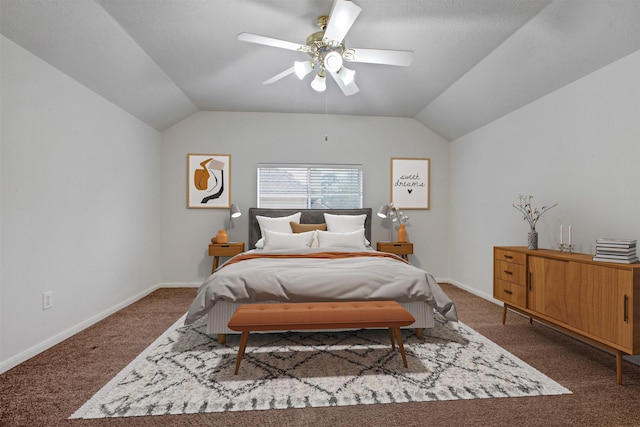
{"points": [[80, 203], [252, 138], [578, 146]]}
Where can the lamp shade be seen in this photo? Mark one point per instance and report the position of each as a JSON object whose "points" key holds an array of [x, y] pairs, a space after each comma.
{"points": [[319, 83], [302, 68], [346, 75], [235, 211], [383, 212]]}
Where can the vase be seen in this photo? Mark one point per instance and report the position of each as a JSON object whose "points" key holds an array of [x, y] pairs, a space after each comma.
{"points": [[222, 236], [532, 239], [402, 233]]}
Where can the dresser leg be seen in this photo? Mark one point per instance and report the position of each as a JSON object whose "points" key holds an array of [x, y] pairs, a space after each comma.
{"points": [[504, 313]]}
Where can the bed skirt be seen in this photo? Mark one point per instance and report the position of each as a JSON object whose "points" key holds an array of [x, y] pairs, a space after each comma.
{"points": [[220, 314]]}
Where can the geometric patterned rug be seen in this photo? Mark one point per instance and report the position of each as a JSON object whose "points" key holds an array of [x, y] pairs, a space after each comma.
{"points": [[186, 371]]}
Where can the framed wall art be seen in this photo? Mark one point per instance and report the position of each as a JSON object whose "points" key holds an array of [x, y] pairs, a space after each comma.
{"points": [[410, 182], [208, 181]]}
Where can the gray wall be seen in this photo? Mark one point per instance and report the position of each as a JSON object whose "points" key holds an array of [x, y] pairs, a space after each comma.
{"points": [[80, 202], [251, 138], [578, 146]]}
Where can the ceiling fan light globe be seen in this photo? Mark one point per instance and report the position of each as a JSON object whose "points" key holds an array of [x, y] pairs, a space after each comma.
{"points": [[346, 75], [302, 68], [333, 61], [319, 83]]}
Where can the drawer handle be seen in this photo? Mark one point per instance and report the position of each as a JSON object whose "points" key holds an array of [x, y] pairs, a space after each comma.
{"points": [[626, 309], [508, 292], [225, 246], [508, 272], [508, 257]]}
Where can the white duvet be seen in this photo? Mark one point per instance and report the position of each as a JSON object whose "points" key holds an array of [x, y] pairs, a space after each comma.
{"points": [[318, 279]]}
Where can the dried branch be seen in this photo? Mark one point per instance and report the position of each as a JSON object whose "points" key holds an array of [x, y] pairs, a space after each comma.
{"points": [[531, 215]]}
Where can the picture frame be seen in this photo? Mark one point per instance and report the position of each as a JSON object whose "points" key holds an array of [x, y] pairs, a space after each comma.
{"points": [[209, 181], [410, 182]]}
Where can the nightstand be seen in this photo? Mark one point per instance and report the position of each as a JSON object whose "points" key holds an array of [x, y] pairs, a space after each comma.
{"points": [[404, 249], [216, 250]]}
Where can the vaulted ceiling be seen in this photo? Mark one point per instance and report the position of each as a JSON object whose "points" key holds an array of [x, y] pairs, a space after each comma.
{"points": [[475, 60]]}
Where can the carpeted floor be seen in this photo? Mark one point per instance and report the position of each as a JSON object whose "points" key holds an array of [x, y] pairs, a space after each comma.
{"points": [[47, 389]]}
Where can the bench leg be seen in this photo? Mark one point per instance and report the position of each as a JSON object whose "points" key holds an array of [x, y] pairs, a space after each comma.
{"points": [[393, 341], [222, 338], [243, 345], [400, 345]]}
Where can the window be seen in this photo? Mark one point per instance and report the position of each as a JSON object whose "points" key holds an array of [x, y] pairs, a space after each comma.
{"points": [[303, 186]]}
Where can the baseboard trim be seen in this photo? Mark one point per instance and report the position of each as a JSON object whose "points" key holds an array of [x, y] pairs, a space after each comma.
{"points": [[472, 291], [180, 285], [27, 354]]}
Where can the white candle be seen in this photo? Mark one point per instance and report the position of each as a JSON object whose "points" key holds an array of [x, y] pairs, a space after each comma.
{"points": [[561, 234], [569, 233]]}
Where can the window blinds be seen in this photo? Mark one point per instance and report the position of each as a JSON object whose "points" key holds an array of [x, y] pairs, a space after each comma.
{"points": [[309, 186]]}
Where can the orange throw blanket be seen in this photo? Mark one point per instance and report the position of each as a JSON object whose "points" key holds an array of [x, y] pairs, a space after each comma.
{"points": [[325, 255]]}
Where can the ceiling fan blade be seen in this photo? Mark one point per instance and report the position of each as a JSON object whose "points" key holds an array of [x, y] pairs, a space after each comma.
{"points": [[347, 89], [343, 15], [278, 76], [269, 41], [402, 58]]}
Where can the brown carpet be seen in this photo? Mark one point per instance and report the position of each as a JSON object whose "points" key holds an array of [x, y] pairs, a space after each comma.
{"points": [[47, 389]]}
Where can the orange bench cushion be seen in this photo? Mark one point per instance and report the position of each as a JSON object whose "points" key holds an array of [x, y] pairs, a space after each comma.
{"points": [[320, 315]]}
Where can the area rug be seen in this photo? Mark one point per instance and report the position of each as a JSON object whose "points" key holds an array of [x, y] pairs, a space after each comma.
{"points": [[186, 371]]}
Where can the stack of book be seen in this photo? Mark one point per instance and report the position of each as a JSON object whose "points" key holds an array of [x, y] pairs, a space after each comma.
{"points": [[616, 250]]}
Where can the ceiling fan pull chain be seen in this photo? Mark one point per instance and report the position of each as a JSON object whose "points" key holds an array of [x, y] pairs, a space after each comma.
{"points": [[326, 127]]}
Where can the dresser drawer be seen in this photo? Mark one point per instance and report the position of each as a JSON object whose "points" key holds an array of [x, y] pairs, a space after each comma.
{"points": [[509, 256], [510, 293], [510, 272]]}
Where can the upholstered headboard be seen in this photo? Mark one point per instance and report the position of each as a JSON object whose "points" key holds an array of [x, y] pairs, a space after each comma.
{"points": [[309, 216]]}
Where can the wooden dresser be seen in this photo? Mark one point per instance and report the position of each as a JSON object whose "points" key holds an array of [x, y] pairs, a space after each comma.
{"points": [[593, 301]]}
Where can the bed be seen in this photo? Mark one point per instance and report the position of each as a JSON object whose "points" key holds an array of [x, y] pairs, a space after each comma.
{"points": [[315, 264]]}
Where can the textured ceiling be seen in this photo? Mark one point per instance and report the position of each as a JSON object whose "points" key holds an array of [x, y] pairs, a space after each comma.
{"points": [[475, 60]]}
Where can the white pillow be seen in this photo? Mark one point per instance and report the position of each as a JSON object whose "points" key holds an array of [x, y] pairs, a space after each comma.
{"points": [[353, 239], [344, 223], [279, 224], [277, 240]]}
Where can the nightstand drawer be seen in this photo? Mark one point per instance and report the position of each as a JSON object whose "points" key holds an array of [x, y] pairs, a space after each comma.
{"points": [[509, 272], [225, 249], [510, 293], [397, 248]]}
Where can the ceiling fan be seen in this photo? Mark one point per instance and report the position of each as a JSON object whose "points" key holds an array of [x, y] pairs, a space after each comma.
{"points": [[328, 52]]}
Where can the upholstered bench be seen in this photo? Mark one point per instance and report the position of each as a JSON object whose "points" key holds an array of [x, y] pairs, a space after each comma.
{"points": [[320, 315]]}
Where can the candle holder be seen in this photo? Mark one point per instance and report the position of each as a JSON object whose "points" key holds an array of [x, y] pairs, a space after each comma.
{"points": [[566, 247]]}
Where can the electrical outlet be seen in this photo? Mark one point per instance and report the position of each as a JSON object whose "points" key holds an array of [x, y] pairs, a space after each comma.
{"points": [[47, 300]]}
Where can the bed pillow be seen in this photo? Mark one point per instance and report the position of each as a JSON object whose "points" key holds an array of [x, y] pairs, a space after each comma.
{"points": [[353, 239], [277, 240], [296, 227], [279, 224], [344, 223]]}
